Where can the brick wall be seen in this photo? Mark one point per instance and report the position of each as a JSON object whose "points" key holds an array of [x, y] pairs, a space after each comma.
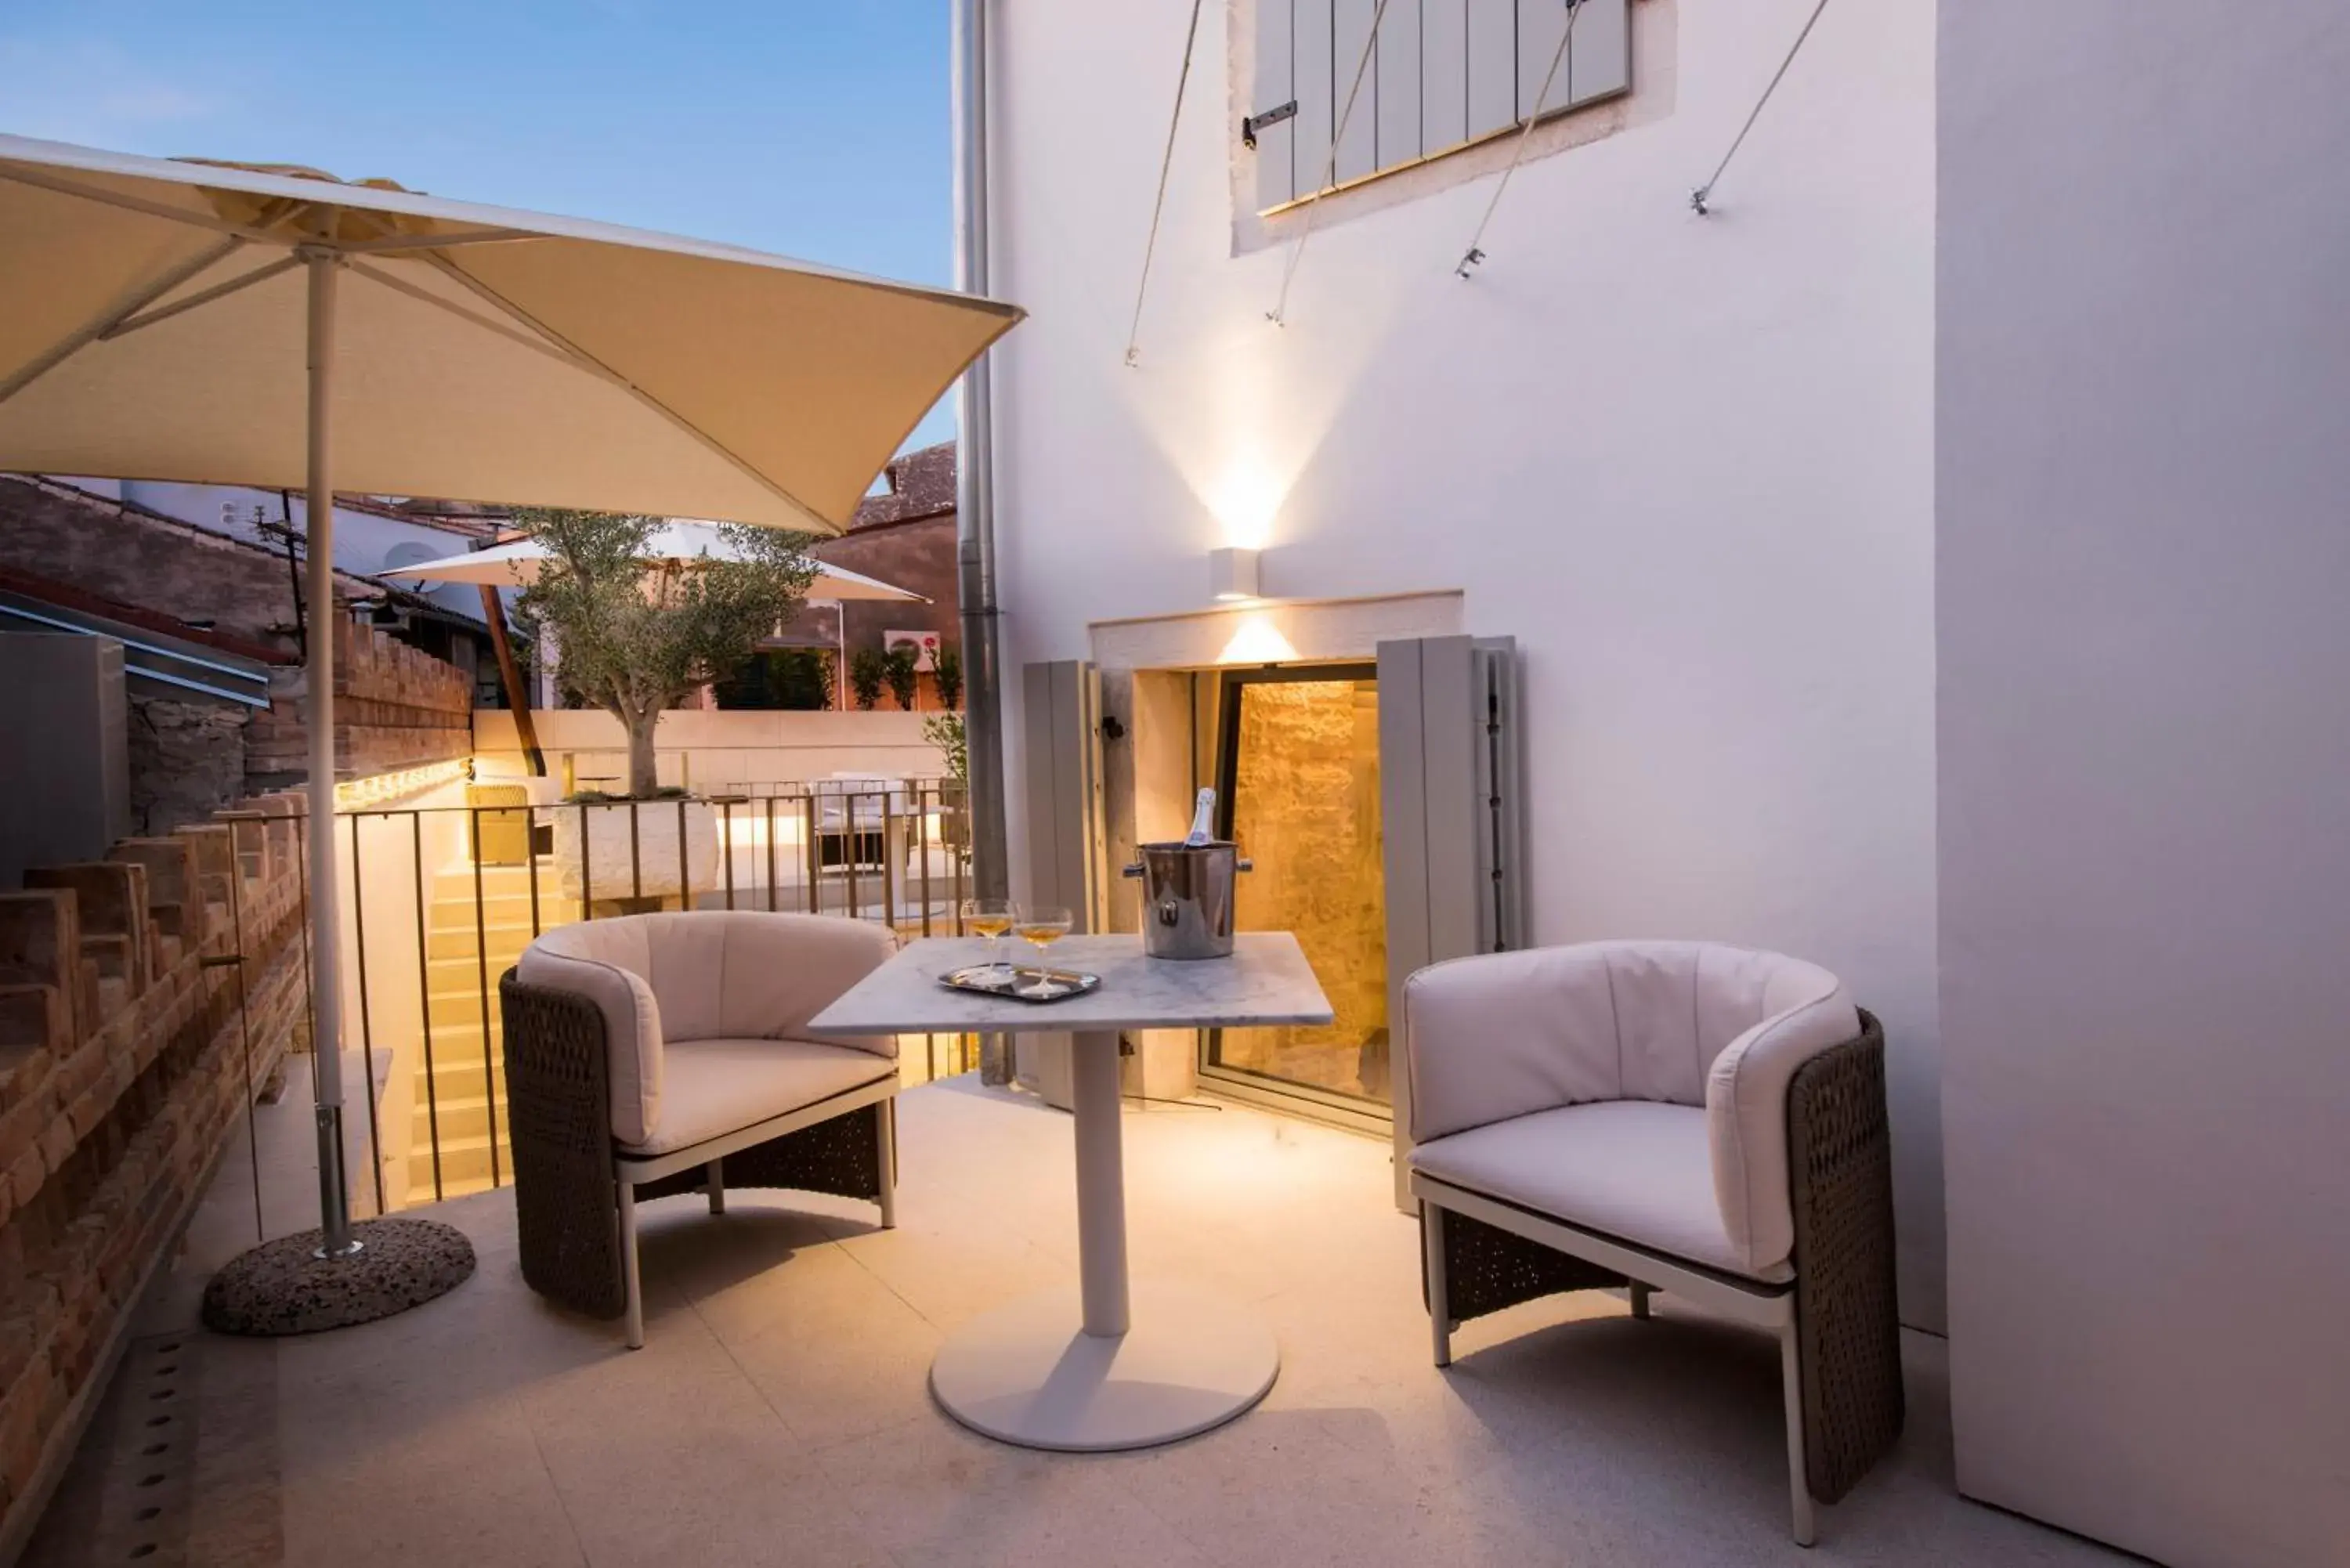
{"points": [[394, 707], [137, 558], [398, 707], [123, 1068]]}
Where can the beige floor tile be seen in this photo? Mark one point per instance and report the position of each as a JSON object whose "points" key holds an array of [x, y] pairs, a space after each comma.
{"points": [[780, 1411]]}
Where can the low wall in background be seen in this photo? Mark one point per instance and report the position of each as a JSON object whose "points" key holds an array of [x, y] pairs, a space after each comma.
{"points": [[395, 708], [707, 750]]}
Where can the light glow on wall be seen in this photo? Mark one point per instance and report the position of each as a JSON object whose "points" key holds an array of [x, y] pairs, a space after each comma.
{"points": [[1245, 497], [378, 789], [1256, 641]]}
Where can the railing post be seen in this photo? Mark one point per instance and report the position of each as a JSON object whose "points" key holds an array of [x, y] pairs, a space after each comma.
{"points": [[424, 997], [366, 1022]]}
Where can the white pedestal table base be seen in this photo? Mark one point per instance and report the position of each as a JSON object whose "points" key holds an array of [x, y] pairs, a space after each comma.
{"points": [[1029, 1373]]}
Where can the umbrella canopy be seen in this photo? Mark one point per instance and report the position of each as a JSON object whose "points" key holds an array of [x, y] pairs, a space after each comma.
{"points": [[517, 565], [154, 328], [227, 324]]}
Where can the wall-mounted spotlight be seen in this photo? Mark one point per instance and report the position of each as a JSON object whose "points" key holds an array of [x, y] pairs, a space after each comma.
{"points": [[1231, 573]]}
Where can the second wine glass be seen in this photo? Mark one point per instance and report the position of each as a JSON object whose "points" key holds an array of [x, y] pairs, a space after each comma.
{"points": [[1039, 925]]}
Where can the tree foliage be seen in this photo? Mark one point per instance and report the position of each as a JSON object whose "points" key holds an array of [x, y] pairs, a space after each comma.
{"points": [[947, 673], [633, 637], [868, 672], [900, 666]]}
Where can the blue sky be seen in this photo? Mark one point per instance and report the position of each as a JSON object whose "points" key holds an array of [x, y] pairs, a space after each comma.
{"points": [[817, 129]]}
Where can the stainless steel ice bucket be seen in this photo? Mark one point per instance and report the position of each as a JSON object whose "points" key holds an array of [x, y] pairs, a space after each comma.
{"points": [[1186, 899]]}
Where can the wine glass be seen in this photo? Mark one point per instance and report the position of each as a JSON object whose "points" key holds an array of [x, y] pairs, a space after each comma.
{"points": [[991, 918], [1039, 925]]}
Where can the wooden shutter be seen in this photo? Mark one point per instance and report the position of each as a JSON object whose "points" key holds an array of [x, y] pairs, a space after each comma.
{"points": [[1600, 63], [1493, 67], [1451, 808], [1444, 75], [1310, 41], [1397, 70], [1440, 73], [1275, 86], [1061, 712], [1542, 27], [1351, 51]]}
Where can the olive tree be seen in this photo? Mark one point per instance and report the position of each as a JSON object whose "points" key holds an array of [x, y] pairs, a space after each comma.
{"points": [[637, 635]]}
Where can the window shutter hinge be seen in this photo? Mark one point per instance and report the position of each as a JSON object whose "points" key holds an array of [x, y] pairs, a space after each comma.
{"points": [[1256, 122]]}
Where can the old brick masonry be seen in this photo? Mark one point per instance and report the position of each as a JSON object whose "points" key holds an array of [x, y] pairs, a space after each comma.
{"points": [[125, 1061]]}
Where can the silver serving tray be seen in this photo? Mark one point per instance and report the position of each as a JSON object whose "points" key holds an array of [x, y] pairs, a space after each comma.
{"points": [[986, 980]]}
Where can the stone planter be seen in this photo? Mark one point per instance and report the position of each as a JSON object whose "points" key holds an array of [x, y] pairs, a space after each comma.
{"points": [[597, 857]]}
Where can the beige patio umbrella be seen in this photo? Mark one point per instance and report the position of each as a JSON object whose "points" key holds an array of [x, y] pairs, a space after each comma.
{"points": [[214, 322], [680, 541]]}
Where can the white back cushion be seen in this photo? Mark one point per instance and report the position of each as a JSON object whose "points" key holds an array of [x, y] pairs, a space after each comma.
{"points": [[1687, 1024], [1503, 1035], [711, 974]]}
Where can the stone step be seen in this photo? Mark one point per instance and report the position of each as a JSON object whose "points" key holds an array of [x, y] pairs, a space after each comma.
{"points": [[464, 1167], [458, 939], [454, 911], [459, 1118]]}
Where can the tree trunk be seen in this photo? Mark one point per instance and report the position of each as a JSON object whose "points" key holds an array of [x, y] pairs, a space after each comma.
{"points": [[643, 774]]}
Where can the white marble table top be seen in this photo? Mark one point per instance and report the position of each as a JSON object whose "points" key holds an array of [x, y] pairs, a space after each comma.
{"points": [[1266, 981]]}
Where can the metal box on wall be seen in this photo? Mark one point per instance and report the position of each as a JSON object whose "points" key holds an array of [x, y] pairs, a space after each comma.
{"points": [[65, 774]]}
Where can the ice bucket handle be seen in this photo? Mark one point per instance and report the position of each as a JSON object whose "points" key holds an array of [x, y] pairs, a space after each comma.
{"points": [[1134, 871]]}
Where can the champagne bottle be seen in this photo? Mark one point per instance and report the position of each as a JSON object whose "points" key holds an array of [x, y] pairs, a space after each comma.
{"points": [[1202, 817]]}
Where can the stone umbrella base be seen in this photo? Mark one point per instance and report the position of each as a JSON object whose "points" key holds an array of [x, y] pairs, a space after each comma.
{"points": [[281, 1287]]}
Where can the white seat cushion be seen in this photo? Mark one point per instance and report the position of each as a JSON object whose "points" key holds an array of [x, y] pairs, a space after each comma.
{"points": [[712, 1087], [1635, 1169]]}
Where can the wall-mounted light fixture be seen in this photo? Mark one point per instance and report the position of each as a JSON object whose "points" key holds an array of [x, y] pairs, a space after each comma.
{"points": [[1231, 573]]}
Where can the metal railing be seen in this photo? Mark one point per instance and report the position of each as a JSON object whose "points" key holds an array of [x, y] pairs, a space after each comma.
{"points": [[442, 898]]}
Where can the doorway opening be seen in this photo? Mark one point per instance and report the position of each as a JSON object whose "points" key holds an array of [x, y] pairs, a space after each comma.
{"points": [[1298, 788]]}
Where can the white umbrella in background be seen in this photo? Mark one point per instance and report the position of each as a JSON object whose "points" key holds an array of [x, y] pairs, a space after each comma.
{"points": [[225, 323], [681, 542]]}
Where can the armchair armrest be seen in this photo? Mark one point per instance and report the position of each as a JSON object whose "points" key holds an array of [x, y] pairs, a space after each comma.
{"points": [[632, 1027], [1505, 1035], [1746, 1118]]}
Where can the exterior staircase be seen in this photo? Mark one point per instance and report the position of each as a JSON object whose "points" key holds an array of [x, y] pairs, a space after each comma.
{"points": [[460, 1097]]}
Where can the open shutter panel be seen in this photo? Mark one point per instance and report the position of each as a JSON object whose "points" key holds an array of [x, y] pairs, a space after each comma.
{"points": [[1062, 709], [1275, 86], [1542, 27], [1600, 63], [1450, 805], [1310, 38], [1492, 74], [1398, 69], [1350, 44], [1444, 75], [1442, 72]]}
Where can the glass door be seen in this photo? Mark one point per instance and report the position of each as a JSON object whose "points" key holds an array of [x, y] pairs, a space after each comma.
{"points": [[1297, 788]]}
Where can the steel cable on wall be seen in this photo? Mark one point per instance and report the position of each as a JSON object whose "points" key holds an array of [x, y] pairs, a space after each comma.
{"points": [[1279, 314], [1474, 254], [1166, 163], [1699, 197]]}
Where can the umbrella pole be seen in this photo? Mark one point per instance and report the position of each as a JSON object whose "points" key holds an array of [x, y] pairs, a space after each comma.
{"points": [[292, 1286], [326, 903]]}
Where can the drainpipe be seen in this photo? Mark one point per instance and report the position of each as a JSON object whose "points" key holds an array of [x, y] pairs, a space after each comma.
{"points": [[975, 498]]}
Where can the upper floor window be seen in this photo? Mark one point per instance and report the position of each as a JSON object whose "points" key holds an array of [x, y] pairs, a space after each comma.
{"points": [[1443, 74]]}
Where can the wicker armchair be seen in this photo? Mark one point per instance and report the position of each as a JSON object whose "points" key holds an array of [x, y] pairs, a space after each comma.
{"points": [[651, 1054], [1668, 1115]]}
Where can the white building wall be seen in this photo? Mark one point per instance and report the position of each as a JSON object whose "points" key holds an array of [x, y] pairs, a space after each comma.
{"points": [[1687, 461], [2145, 761]]}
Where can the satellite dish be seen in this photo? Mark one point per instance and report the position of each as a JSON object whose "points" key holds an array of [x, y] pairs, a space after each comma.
{"points": [[409, 554]]}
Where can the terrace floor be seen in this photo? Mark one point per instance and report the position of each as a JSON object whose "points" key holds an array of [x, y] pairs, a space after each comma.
{"points": [[778, 1413]]}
